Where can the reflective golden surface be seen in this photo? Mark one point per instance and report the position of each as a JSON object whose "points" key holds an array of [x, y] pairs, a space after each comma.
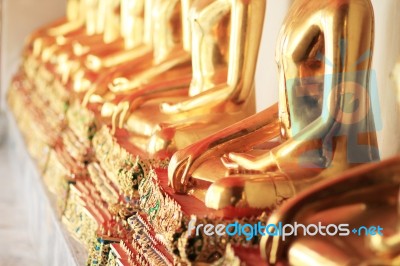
{"points": [[162, 56], [225, 38], [55, 33], [103, 39], [52, 51], [98, 69], [325, 122], [364, 196], [75, 19], [170, 40]]}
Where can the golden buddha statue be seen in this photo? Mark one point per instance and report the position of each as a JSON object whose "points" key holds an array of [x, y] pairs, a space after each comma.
{"points": [[163, 63], [98, 72], [102, 37], [163, 56], [362, 197], [131, 24], [56, 32], [74, 21], [324, 123], [92, 71], [363, 203], [95, 66], [159, 58], [50, 64], [222, 84], [50, 54], [85, 18]]}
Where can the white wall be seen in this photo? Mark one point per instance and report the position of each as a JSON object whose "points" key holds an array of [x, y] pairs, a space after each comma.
{"points": [[267, 72], [386, 53], [23, 16]]}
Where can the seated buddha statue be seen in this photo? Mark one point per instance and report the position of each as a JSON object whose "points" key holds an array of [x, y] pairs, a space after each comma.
{"points": [[91, 101], [55, 32], [95, 71], [89, 20], [363, 202], [44, 62], [169, 60], [132, 26], [323, 124], [101, 37], [121, 36], [53, 65], [222, 83], [170, 36], [73, 21]]}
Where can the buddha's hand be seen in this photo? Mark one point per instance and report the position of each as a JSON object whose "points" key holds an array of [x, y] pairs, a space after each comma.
{"points": [[178, 173], [183, 163]]}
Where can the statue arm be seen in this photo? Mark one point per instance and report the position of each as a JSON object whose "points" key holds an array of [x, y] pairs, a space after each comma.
{"points": [[246, 18]]}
